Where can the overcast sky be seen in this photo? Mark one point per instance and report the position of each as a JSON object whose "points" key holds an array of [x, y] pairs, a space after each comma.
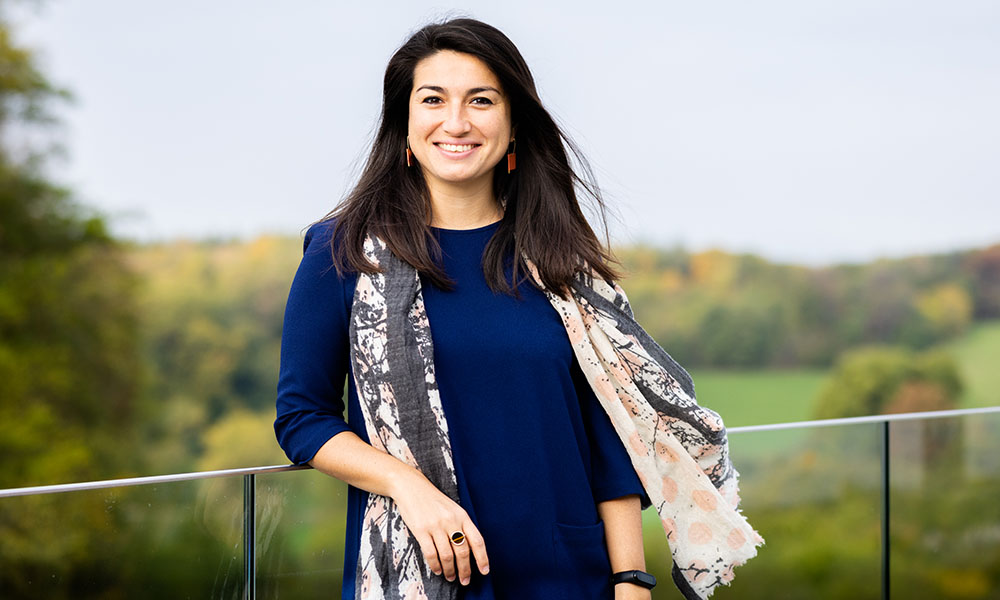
{"points": [[804, 131]]}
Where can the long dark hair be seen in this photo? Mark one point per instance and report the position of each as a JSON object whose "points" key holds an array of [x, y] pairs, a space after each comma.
{"points": [[542, 217]]}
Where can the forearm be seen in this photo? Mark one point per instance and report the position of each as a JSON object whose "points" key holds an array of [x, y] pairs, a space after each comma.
{"points": [[351, 460], [623, 530]]}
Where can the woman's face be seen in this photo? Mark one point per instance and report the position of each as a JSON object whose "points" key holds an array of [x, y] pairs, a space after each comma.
{"points": [[459, 125]]}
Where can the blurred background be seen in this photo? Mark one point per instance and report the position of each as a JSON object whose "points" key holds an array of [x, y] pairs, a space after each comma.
{"points": [[805, 194]]}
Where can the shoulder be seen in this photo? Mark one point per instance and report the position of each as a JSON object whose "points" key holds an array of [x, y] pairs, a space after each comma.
{"points": [[322, 240], [318, 236], [318, 249], [317, 276]]}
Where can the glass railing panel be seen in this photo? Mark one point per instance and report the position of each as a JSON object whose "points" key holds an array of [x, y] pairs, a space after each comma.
{"points": [[814, 495], [301, 517], [169, 541], [945, 507]]}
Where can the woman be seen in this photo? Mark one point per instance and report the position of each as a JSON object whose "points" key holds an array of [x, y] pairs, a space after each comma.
{"points": [[482, 464]]}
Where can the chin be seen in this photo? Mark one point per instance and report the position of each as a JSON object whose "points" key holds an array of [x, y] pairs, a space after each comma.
{"points": [[458, 177]]}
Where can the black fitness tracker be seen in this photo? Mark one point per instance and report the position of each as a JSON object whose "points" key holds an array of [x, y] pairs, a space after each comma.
{"points": [[635, 576]]}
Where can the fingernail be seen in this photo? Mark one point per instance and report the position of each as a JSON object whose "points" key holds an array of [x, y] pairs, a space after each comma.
{"points": [[486, 569], [465, 581]]}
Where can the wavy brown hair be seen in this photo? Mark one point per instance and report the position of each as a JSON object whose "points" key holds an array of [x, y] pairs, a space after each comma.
{"points": [[542, 216]]}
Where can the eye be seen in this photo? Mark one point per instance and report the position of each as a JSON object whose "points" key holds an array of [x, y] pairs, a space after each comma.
{"points": [[482, 101], [431, 100]]}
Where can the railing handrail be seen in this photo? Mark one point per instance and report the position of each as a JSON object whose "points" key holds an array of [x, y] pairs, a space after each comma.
{"points": [[930, 414], [176, 477], [148, 480]]}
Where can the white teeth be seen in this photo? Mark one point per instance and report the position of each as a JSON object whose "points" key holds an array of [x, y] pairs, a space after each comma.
{"points": [[457, 148]]}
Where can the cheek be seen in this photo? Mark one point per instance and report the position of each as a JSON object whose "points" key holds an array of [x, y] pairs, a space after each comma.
{"points": [[419, 124], [498, 128]]}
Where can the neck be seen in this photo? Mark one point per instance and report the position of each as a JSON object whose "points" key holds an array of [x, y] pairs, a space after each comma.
{"points": [[463, 206]]}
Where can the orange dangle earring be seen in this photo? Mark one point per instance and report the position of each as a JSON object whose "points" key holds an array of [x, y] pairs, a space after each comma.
{"points": [[511, 157], [409, 153]]}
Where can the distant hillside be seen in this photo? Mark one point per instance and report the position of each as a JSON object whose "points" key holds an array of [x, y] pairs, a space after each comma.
{"points": [[211, 316], [718, 309]]}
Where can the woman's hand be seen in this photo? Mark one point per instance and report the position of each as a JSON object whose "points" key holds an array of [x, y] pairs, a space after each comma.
{"points": [[431, 517]]}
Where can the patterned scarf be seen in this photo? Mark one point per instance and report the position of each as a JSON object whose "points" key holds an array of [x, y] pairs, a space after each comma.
{"points": [[678, 449]]}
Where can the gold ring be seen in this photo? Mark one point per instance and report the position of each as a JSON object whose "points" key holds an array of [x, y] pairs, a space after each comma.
{"points": [[458, 538]]}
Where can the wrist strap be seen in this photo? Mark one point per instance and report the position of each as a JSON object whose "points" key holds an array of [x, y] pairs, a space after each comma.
{"points": [[635, 576]]}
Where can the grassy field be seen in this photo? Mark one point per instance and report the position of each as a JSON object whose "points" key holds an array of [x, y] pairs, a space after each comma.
{"points": [[758, 397], [978, 356], [778, 396]]}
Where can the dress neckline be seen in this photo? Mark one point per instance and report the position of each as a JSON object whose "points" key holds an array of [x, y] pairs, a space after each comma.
{"points": [[492, 225]]}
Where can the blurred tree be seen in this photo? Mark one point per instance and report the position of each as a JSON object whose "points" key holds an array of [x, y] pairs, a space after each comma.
{"points": [[919, 396], [68, 368], [714, 269], [880, 379], [983, 269], [240, 439], [211, 330], [740, 337], [68, 353], [739, 310]]}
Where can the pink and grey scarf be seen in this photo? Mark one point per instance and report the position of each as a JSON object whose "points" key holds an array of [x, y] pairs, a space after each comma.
{"points": [[678, 449]]}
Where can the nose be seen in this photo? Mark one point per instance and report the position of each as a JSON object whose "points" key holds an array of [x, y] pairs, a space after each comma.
{"points": [[456, 123]]}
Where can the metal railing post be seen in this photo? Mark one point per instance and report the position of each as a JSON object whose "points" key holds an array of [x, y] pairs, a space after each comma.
{"points": [[250, 537], [885, 510]]}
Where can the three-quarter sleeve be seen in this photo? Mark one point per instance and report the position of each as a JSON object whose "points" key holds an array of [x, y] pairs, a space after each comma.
{"points": [[314, 352], [613, 475]]}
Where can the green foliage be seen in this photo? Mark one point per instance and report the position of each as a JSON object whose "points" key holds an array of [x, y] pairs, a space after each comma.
{"points": [[739, 337], [69, 370], [880, 379], [211, 335], [983, 268], [241, 438], [717, 309]]}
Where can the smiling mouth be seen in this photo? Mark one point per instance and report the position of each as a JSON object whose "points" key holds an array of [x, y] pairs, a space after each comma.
{"points": [[456, 148]]}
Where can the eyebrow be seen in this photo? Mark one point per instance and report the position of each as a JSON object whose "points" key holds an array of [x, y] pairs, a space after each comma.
{"points": [[475, 90]]}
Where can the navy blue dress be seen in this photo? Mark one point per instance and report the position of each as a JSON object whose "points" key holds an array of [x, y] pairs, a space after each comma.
{"points": [[534, 451]]}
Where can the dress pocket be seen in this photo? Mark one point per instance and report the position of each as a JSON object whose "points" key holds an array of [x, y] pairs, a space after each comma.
{"points": [[582, 556]]}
